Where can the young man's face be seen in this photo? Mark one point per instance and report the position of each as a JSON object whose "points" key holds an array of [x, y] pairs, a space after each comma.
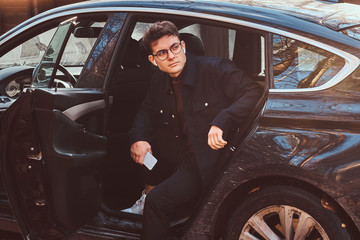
{"points": [[175, 62]]}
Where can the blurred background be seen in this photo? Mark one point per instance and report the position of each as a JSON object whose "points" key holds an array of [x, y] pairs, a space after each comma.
{"points": [[13, 12]]}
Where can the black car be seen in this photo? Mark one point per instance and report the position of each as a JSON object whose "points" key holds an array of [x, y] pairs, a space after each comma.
{"points": [[292, 171]]}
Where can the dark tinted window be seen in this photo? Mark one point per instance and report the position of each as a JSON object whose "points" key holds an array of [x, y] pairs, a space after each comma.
{"points": [[95, 70], [300, 65]]}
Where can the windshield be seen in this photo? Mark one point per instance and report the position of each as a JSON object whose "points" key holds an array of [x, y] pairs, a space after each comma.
{"points": [[28, 53]]}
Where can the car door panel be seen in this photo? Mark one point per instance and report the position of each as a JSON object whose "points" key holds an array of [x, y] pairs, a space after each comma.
{"points": [[74, 158], [55, 161]]}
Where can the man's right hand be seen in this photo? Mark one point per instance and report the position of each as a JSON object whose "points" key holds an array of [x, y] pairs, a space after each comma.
{"points": [[138, 151]]}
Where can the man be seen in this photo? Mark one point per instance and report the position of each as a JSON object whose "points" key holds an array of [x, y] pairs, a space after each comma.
{"points": [[192, 102]]}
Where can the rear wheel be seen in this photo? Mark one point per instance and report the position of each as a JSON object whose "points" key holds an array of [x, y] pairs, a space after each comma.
{"points": [[284, 212]]}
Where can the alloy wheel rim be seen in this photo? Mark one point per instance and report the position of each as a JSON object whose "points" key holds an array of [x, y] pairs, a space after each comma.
{"points": [[282, 222]]}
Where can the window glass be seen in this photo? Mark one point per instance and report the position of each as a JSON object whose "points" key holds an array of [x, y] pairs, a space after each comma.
{"points": [[67, 54], [216, 41], [96, 66], [77, 50], [47, 65], [139, 30], [28, 53], [243, 46], [199, 40], [300, 65]]}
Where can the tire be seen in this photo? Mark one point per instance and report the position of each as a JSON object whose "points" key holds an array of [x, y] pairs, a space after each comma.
{"points": [[258, 217]]}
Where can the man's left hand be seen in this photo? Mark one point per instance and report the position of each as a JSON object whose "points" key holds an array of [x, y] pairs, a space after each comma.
{"points": [[215, 139]]}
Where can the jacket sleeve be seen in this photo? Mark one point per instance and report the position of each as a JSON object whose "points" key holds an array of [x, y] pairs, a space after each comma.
{"points": [[146, 118], [241, 92]]}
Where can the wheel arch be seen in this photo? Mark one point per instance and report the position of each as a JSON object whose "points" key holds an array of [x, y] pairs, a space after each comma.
{"points": [[235, 197]]}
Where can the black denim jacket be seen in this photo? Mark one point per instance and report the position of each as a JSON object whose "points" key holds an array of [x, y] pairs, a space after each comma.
{"points": [[214, 92]]}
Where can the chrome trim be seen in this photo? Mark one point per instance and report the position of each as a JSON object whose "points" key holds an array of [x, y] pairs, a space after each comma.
{"points": [[80, 110], [351, 61]]}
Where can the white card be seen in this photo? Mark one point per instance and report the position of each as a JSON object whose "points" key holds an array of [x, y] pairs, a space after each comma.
{"points": [[149, 161]]}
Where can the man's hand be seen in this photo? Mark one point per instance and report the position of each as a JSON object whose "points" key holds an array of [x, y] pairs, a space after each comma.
{"points": [[215, 139], [138, 151]]}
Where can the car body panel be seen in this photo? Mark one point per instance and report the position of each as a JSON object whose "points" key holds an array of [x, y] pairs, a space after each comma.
{"points": [[298, 142]]}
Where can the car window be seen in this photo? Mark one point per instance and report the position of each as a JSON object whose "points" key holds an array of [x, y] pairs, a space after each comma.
{"points": [[77, 50], [47, 66], [300, 65], [216, 41], [28, 53], [243, 47], [77, 43], [200, 39], [96, 66]]}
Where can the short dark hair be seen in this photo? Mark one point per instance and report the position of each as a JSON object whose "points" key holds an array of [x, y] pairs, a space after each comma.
{"points": [[157, 31]]}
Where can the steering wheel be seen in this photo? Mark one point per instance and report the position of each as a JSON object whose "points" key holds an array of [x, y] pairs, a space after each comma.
{"points": [[70, 80], [68, 75]]}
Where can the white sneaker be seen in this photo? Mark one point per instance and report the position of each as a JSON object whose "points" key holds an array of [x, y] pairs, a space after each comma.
{"points": [[138, 207]]}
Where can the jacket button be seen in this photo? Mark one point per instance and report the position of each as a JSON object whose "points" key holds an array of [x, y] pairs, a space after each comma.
{"points": [[206, 104], [173, 116], [161, 111]]}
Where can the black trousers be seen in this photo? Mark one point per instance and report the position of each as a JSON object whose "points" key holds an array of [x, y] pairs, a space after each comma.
{"points": [[173, 197]]}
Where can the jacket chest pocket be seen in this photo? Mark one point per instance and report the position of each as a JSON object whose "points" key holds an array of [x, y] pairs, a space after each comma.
{"points": [[207, 108], [206, 100]]}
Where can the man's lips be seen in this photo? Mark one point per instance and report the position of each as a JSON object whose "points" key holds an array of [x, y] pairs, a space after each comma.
{"points": [[173, 64]]}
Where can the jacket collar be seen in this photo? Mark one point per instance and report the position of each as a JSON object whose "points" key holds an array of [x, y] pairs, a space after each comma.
{"points": [[189, 73], [189, 70]]}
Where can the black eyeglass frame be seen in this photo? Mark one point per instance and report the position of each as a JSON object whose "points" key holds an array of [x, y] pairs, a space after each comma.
{"points": [[167, 51]]}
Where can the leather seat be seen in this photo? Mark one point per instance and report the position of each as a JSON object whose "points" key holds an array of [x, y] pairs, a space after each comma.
{"points": [[193, 44]]}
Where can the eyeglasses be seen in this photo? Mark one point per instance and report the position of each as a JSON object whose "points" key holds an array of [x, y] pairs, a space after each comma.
{"points": [[163, 54]]}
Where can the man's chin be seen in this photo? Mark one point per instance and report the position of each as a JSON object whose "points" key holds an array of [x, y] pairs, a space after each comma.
{"points": [[175, 73]]}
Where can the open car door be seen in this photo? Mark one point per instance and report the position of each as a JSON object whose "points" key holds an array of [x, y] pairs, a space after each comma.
{"points": [[53, 146]]}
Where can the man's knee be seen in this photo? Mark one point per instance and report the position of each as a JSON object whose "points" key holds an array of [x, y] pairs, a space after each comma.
{"points": [[152, 200]]}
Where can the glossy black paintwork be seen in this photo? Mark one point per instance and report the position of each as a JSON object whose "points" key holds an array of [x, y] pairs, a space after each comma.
{"points": [[306, 139], [304, 157]]}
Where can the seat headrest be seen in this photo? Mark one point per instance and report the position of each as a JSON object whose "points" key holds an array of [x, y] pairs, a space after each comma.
{"points": [[132, 54], [193, 44]]}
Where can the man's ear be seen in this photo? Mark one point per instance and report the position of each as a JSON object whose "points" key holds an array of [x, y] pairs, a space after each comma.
{"points": [[183, 45], [152, 60]]}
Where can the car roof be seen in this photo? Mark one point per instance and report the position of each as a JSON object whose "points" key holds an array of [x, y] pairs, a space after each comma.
{"points": [[310, 10], [313, 17], [318, 11]]}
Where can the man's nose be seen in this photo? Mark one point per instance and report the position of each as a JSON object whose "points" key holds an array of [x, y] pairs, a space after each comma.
{"points": [[171, 55]]}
